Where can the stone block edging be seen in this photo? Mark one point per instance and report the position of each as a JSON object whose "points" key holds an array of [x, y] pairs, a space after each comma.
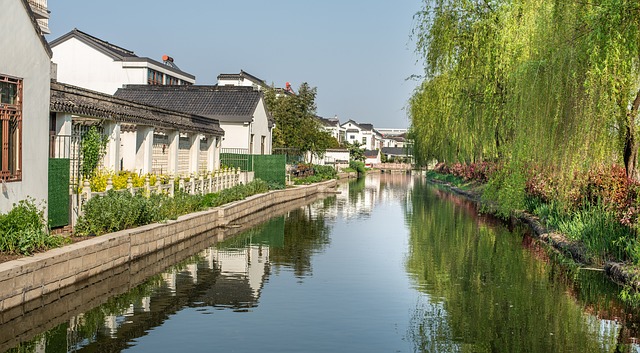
{"points": [[28, 278]]}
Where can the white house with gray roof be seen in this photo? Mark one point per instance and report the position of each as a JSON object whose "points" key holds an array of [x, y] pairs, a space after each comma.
{"points": [[241, 111], [364, 134], [89, 62]]}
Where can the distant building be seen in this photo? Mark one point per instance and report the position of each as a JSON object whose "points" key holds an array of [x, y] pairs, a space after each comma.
{"points": [[241, 110], [89, 62], [332, 126], [372, 157], [362, 133], [41, 14], [25, 67], [245, 79]]}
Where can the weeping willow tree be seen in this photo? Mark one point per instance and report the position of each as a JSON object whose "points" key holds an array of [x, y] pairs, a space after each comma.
{"points": [[550, 83]]}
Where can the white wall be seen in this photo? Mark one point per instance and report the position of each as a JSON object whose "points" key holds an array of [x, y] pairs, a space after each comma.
{"points": [[27, 59], [260, 128], [236, 135], [81, 65]]}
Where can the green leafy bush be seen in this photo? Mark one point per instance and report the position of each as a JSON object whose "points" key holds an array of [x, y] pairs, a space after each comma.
{"points": [[325, 172], [118, 210], [358, 166], [23, 230]]}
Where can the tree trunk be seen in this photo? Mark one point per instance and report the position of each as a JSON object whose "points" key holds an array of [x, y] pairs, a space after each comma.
{"points": [[630, 149]]}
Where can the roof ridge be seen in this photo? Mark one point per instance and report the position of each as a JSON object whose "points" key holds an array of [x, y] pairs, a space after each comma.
{"points": [[104, 43]]}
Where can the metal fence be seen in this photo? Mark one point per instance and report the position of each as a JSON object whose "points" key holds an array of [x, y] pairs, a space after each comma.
{"points": [[236, 158], [292, 155]]}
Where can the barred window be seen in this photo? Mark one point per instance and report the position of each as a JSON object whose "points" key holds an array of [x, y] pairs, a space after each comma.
{"points": [[10, 128], [154, 77]]}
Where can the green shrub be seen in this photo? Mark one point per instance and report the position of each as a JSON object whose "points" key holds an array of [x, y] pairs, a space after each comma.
{"points": [[118, 210], [325, 172], [358, 166], [23, 230]]}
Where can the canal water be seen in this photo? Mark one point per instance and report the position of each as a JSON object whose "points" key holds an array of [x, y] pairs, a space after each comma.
{"points": [[390, 264]]}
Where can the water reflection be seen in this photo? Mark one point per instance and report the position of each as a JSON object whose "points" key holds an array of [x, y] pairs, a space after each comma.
{"points": [[390, 263], [487, 293]]}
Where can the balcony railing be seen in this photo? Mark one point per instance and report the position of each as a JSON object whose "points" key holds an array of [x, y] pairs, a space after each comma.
{"points": [[39, 8]]}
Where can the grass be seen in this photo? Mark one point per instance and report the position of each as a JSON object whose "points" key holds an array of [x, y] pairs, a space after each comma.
{"points": [[603, 235]]}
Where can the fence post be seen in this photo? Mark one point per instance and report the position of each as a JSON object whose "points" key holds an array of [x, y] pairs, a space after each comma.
{"points": [[147, 186], [86, 190], [181, 183], [216, 180], [109, 184], [237, 177], [130, 185], [201, 182], [192, 178], [171, 186], [158, 185], [210, 182]]}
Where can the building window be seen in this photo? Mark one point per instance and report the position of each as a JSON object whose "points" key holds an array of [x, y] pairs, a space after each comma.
{"points": [[352, 137], [170, 80], [263, 138], [154, 77], [364, 140], [10, 128]]}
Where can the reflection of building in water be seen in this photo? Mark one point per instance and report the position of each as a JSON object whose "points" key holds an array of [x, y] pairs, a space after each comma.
{"points": [[217, 277], [248, 265], [357, 198]]}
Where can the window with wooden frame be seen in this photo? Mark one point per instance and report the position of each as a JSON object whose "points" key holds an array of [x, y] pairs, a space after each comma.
{"points": [[10, 128]]}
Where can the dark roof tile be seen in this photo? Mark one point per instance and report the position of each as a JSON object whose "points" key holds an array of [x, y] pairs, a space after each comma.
{"points": [[225, 103]]}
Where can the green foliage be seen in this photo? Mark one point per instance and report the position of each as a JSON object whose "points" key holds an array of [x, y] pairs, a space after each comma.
{"points": [[356, 153], [235, 193], [119, 210], [23, 230], [545, 83], [296, 123], [92, 149], [446, 178], [325, 172], [358, 166]]}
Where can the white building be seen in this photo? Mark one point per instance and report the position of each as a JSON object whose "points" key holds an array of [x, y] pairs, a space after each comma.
{"points": [[89, 62], [332, 126], [243, 79], [241, 111], [41, 14], [25, 67], [364, 134]]}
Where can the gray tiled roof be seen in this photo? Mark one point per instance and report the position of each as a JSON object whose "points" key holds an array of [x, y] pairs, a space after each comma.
{"points": [[76, 100], [225, 103], [371, 153], [396, 151]]}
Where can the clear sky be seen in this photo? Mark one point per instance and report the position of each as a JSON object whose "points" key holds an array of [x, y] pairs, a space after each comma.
{"points": [[357, 53]]}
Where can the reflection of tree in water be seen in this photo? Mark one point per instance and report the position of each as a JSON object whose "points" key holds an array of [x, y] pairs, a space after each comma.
{"points": [[495, 296], [304, 235]]}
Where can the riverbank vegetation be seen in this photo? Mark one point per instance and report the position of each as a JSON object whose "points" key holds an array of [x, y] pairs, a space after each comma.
{"points": [[313, 173], [544, 94], [24, 230], [122, 210]]}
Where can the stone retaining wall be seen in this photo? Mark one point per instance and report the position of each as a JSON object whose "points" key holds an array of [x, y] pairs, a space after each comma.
{"points": [[29, 278]]}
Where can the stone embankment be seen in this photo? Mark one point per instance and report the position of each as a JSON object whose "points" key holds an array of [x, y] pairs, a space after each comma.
{"points": [[32, 279], [621, 273]]}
